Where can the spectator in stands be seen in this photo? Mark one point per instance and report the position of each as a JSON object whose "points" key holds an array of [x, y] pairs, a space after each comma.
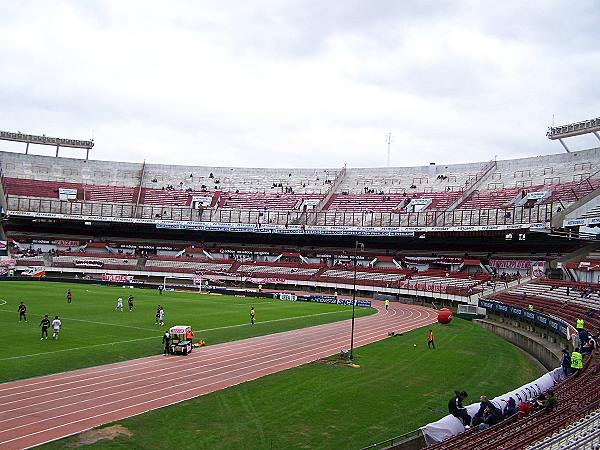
{"points": [[551, 402], [510, 408], [566, 362], [491, 416], [483, 404], [456, 408], [589, 346], [538, 403], [524, 409]]}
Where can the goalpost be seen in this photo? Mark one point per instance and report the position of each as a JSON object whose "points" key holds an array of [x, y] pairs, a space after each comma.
{"points": [[195, 282]]}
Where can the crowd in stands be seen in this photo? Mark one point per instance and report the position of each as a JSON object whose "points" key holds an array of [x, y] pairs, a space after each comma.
{"points": [[490, 414]]}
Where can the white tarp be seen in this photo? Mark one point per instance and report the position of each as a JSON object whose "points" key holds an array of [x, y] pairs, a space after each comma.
{"points": [[449, 425]]}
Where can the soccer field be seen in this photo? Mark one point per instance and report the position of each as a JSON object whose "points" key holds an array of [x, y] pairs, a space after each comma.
{"points": [[94, 333]]}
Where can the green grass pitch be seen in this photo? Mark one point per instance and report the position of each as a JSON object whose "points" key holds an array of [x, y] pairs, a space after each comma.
{"points": [[316, 406], [94, 333]]}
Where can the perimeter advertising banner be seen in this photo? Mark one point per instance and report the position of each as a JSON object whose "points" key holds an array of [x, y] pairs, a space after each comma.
{"points": [[558, 326], [331, 299], [117, 278]]}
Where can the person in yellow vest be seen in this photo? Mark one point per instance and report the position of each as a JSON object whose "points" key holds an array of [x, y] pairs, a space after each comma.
{"points": [[335, 294], [530, 307], [579, 324], [576, 361], [387, 304], [252, 315], [260, 288]]}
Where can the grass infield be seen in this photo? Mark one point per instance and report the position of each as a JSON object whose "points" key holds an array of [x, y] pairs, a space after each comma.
{"points": [[317, 406], [93, 333]]}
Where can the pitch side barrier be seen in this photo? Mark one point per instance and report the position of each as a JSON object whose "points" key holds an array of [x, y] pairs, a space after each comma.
{"points": [[556, 325]]}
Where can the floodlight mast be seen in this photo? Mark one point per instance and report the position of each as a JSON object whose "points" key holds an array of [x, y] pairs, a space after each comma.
{"points": [[389, 138], [46, 140], [591, 126]]}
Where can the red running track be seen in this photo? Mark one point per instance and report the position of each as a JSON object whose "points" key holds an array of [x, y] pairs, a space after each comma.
{"points": [[43, 409]]}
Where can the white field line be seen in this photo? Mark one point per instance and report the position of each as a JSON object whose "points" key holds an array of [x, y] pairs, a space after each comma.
{"points": [[152, 337], [148, 361], [151, 365]]}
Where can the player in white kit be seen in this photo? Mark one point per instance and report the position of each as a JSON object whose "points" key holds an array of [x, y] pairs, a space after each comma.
{"points": [[56, 323]]}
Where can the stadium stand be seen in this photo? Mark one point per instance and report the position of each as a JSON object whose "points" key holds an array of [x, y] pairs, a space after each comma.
{"points": [[527, 190], [583, 434]]}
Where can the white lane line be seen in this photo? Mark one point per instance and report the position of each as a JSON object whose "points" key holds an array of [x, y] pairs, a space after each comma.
{"points": [[94, 322]]}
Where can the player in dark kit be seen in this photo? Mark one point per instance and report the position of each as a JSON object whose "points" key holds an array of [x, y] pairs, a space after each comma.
{"points": [[22, 310], [45, 323], [130, 302], [69, 296]]}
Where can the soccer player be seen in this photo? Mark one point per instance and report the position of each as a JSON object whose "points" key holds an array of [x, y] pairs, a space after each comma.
{"points": [[158, 308], [119, 304], [45, 323], [22, 310], [69, 296], [56, 323], [430, 343], [161, 317], [130, 302], [252, 315]]}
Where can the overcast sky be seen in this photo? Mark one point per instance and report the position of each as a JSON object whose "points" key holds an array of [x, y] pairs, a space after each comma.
{"points": [[307, 83]]}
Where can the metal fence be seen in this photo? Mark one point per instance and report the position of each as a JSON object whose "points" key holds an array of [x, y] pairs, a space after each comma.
{"points": [[541, 213]]}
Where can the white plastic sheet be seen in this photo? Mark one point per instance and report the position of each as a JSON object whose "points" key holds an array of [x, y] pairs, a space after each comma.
{"points": [[449, 425]]}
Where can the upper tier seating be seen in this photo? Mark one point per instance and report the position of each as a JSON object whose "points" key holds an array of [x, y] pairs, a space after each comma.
{"points": [[263, 201], [387, 202], [376, 190]]}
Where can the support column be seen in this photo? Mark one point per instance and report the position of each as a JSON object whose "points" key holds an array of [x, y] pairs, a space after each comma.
{"points": [[564, 145]]}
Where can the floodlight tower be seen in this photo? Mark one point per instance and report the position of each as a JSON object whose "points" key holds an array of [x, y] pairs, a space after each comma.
{"points": [[574, 129], [389, 138], [46, 140]]}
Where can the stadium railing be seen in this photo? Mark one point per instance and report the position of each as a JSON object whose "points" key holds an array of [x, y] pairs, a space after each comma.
{"points": [[541, 213]]}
